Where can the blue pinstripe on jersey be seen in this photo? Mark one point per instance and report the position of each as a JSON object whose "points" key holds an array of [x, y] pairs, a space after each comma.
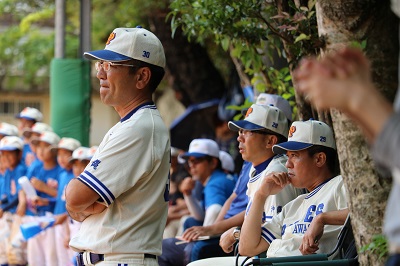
{"points": [[267, 235], [99, 187]]}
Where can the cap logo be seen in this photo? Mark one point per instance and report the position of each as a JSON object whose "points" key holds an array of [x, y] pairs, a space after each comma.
{"points": [[322, 139], [110, 38], [249, 111], [291, 131], [274, 125]]}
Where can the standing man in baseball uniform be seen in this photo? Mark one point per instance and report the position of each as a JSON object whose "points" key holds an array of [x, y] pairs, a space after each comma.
{"points": [[122, 195]]}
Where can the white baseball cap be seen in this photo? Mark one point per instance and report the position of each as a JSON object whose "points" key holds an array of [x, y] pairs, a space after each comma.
{"points": [[80, 154], [30, 113], [70, 144], [262, 117], [11, 143], [200, 148], [131, 43], [7, 129], [227, 162], [277, 101], [92, 151], [38, 128], [48, 137], [304, 134]]}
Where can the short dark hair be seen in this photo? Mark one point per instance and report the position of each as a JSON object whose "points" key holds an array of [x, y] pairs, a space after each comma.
{"points": [[280, 137], [210, 158], [332, 160], [157, 73]]}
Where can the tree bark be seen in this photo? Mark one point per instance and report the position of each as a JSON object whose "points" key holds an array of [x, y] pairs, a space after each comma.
{"points": [[342, 22]]}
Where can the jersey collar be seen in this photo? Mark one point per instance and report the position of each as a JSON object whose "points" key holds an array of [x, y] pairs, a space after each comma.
{"points": [[143, 105]]}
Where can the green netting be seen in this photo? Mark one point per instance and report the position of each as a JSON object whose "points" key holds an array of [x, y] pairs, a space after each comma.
{"points": [[70, 98]]}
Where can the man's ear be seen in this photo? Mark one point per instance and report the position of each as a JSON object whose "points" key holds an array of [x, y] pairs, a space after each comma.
{"points": [[271, 140], [143, 76], [320, 159]]}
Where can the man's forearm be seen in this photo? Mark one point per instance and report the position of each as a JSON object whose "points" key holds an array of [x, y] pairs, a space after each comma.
{"points": [[82, 215], [333, 217], [222, 226], [250, 236]]}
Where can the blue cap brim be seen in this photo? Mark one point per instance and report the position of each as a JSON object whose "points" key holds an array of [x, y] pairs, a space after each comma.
{"points": [[8, 149], [283, 147], [25, 117], [243, 124], [105, 55], [192, 154]]}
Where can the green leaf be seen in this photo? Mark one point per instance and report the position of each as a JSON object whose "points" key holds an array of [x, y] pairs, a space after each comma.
{"points": [[302, 37], [225, 43]]}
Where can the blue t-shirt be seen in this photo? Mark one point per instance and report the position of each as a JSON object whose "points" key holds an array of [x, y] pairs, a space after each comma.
{"points": [[218, 188], [240, 202], [2, 177], [64, 178], [10, 186], [26, 149], [35, 166], [50, 177]]}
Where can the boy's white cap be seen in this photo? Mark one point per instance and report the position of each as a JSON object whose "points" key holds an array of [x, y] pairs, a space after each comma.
{"points": [[131, 43], [227, 162], [11, 143], [70, 144], [91, 152], [277, 101], [200, 148], [48, 137], [80, 154], [7, 129], [38, 128], [304, 134], [262, 117], [30, 113]]}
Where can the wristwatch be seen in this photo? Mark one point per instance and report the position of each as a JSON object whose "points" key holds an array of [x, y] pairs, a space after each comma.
{"points": [[236, 233]]}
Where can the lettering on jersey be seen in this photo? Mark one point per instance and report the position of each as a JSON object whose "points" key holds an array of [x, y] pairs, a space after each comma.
{"points": [[52, 182], [278, 209], [95, 164], [300, 228], [283, 229], [291, 131], [313, 211]]}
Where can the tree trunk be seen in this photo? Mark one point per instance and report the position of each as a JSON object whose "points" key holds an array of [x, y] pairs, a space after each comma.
{"points": [[342, 22], [194, 77]]}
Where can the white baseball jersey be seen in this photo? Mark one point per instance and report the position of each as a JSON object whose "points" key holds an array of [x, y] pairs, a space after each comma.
{"points": [[286, 230], [273, 204], [130, 172]]}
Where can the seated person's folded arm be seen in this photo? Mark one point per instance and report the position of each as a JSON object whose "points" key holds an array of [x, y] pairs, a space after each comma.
{"points": [[311, 238]]}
